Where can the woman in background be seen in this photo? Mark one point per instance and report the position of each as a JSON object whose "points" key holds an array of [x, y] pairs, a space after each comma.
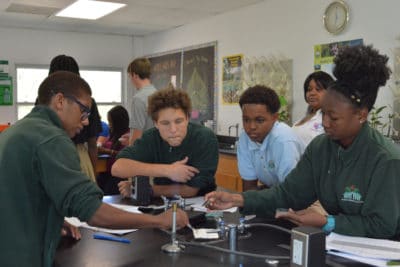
{"points": [[314, 89], [118, 122]]}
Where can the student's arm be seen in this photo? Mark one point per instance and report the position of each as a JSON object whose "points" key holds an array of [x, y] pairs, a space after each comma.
{"points": [[110, 217], [177, 171], [246, 165]]}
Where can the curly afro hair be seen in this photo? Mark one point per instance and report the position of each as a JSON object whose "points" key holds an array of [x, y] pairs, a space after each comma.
{"points": [[169, 98], [360, 71]]}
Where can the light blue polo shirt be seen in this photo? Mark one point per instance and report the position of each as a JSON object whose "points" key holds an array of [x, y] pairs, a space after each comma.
{"points": [[272, 160]]}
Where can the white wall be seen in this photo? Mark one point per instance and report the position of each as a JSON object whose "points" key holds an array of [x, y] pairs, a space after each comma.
{"points": [[23, 46], [286, 27]]}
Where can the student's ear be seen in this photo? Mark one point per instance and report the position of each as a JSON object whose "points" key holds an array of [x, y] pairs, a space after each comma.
{"points": [[363, 114], [275, 116], [58, 101], [155, 124]]}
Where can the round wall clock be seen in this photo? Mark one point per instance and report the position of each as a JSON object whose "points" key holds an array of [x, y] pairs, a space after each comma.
{"points": [[336, 17]]}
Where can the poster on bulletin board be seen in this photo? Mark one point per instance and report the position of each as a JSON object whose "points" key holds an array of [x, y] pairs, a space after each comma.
{"points": [[6, 91], [231, 78], [325, 53]]}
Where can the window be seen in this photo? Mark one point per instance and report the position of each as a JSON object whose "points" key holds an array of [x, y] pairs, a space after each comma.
{"points": [[106, 85]]}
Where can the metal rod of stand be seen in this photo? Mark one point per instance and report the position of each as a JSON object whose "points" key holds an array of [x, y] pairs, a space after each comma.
{"points": [[173, 247], [173, 234]]}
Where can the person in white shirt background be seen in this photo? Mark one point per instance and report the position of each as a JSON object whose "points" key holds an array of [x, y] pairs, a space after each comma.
{"points": [[314, 89]]}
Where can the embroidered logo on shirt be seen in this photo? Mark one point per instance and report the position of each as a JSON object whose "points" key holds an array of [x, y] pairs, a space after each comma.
{"points": [[271, 164], [352, 194], [317, 126]]}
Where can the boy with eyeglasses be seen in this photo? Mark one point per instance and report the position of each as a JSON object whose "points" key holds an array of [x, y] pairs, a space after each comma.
{"points": [[41, 181]]}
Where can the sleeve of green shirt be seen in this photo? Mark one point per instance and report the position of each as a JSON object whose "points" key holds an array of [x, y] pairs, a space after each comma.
{"points": [[296, 192], [71, 191]]}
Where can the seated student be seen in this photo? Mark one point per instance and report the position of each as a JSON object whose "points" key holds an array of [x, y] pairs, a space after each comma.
{"points": [[182, 156], [42, 182], [118, 120], [352, 169], [268, 149]]}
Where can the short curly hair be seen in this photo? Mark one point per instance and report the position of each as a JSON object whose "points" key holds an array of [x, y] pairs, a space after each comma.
{"points": [[169, 98], [260, 94], [360, 71]]}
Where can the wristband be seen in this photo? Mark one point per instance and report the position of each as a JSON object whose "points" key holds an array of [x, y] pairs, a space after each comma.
{"points": [[330, 224]]}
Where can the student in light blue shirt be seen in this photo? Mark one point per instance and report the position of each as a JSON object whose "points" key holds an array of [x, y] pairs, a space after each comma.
{"points": [[268, 149]]}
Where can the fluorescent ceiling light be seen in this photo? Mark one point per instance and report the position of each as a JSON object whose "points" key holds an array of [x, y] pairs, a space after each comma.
{"points": [[89, 9]]}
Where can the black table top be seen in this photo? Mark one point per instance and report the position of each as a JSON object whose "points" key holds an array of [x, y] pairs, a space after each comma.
{"points": [[145, 249]]}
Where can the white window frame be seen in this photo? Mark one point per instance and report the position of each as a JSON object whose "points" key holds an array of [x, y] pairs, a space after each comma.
{"points": [[103, 106]]}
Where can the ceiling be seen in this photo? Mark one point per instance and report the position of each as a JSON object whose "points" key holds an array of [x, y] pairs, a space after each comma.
{"points": [[139, 17]]}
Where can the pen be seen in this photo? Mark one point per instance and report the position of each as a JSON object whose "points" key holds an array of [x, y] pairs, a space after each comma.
{"points": [[205, 204], [111, 238]]}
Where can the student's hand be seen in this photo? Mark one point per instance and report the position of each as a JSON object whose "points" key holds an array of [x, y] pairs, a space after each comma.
{"points": [[219, 200], [125, 188], [70, 230], [166, 219], [180, 172], [306, 217], [124, 139]]}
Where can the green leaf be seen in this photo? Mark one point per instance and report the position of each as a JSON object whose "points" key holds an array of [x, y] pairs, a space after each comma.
{"points": [[282, 100]]}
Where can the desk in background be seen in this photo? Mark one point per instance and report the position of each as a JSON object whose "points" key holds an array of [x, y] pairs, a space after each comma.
{"points": [[145, 249], [101, 164]]}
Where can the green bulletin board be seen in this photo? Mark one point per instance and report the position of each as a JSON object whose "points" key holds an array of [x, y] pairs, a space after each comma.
{"points": [[6, 91]]}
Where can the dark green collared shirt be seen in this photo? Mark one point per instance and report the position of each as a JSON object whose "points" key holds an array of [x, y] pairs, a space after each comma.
{"points": [[359, 185], [40, 183], [200, 145]]}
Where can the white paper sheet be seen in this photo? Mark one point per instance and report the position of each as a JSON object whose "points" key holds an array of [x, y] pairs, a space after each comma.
{"points": [[204, 233], [373, 262], [371, 248]]}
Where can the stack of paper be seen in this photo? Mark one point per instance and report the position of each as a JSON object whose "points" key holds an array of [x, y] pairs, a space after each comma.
{"points": [[369, 250]]}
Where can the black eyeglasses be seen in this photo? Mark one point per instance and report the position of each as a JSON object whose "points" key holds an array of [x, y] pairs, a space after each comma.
{"points": [[85, 111]]}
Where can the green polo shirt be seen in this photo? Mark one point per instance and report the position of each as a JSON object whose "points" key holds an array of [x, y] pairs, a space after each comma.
{"points": [[40, 183], [359, 185], [200, 145]]}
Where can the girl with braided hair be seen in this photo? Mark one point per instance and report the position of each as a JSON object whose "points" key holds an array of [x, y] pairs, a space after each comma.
{"points": [[352, 169]]}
